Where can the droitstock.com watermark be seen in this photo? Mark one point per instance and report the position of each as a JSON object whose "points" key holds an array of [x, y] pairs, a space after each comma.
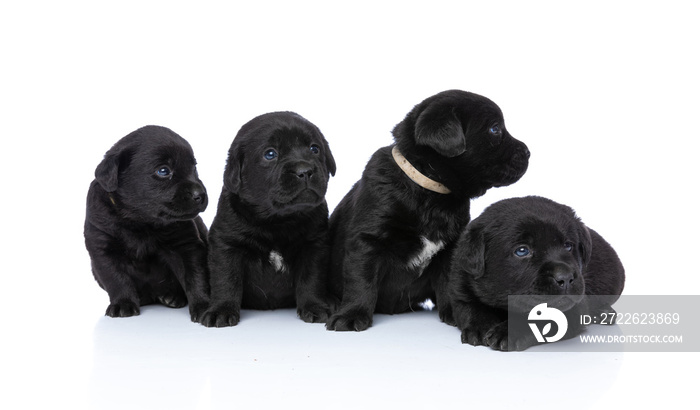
{"points": [[633, 323]]}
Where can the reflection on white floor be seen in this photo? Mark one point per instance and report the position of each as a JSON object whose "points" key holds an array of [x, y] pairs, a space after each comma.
{"points": [[162, 360]]}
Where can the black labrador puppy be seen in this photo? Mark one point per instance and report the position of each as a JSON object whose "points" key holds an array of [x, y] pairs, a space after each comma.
{"points": [[268, 244], [146, 241], [537, 248], [393, 233]]}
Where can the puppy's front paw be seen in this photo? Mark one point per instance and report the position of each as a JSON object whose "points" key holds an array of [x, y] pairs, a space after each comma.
{"points": [[313, 313], [497, 339], [173, 301], [354, 320], [222, 316], [123, 308], [197, 310], [472, 337]]}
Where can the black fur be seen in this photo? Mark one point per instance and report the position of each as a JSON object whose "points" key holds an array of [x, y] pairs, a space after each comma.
{"points": [[142, 230], [486, 269], [380, 224], [270, 208]]}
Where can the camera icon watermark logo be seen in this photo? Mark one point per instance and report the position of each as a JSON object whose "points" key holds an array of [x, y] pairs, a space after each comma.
{"points": [[542, 313]]}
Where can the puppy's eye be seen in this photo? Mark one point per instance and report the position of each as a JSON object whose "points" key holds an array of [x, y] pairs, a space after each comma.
{"points": [[315, 149], [163, 172], [522, 251], [568, 246], [495, 130], [270, 154]]}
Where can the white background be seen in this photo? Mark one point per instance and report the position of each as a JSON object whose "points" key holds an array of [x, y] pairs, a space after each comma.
{"points": [[605, 94]]}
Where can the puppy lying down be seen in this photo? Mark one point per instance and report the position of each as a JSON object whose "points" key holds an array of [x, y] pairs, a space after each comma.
{"points": [[529, 246], [142, 229]]}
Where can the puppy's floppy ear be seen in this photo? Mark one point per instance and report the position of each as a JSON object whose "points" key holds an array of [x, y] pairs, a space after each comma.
{"points": [[330, 161], [107, 172], [439, 128], [232, 174], [470, 252], [585, 243]]}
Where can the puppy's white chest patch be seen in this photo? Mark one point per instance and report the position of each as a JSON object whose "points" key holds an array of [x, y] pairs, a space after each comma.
{"points": [[277, 261], [423, 257]]}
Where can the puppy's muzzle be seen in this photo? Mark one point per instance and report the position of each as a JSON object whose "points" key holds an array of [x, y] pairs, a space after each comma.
{"points": [[521, 157], [304, 170], [198, 196], [561, 276], [302, 183], [195, 198]]}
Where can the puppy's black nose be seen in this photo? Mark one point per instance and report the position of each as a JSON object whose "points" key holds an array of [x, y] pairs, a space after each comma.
{"points": [[563, 277], [304, 171], [199, 196]]}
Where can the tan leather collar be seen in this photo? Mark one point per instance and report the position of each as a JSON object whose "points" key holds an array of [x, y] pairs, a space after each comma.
{"points": [[415, 175]]}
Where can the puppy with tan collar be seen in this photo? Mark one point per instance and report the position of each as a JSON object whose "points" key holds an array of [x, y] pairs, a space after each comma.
{"points": [[393, 233]]}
